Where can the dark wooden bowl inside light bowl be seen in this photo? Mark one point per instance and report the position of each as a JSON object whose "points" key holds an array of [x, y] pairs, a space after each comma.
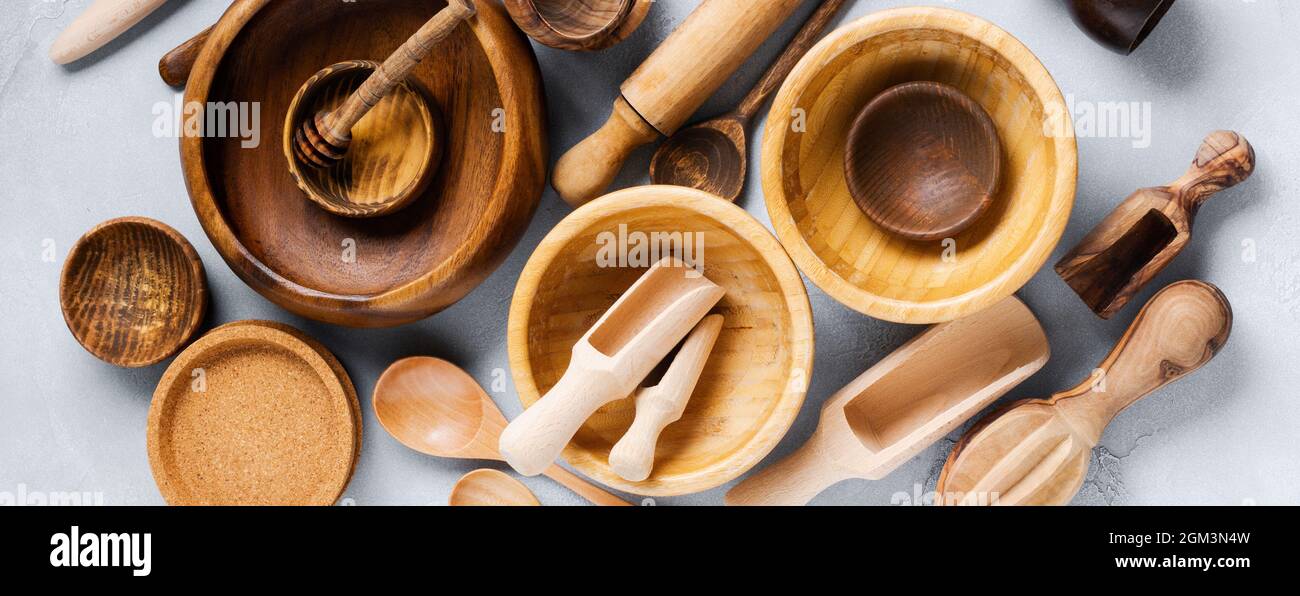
{"points": [[923, 161], [133, 291], [862, 265], [381, 271], [395, 149], [580, 25]]}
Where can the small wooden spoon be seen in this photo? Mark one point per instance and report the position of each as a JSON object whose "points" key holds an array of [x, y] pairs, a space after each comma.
{"points": [[1036, 452], [323, 141], [434, 407], [491, 488], [923, 161], [713, 156]]}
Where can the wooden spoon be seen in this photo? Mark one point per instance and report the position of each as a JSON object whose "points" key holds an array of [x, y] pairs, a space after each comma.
{"points": [[923, 161], [906, 402], [323, 141], [490, 488], [608, 363], [713, 156], [434, 407], [99, 25], [1036, 452]]}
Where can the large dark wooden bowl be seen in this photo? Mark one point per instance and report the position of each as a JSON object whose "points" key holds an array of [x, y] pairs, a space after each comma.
{"points": [[385, 271]]}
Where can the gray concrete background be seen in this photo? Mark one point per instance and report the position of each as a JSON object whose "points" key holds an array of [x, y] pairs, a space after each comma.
{"points": [[76, 148]]}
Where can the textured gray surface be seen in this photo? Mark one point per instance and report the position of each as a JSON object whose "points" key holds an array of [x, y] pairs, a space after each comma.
{"points": [[76, 148]]}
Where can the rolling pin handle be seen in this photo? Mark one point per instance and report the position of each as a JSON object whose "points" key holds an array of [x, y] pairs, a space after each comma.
{"points": [[587, 170]]}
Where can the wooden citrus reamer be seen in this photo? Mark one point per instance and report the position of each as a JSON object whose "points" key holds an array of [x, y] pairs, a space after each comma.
{"points": [[1036, 452], [323, 141]]}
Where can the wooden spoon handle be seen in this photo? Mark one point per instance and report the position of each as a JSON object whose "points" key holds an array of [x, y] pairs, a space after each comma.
{"points": [[398, 66], [100, 24], [777, 73], [583, 488], [1224, 160], [1180, 330], [175, 66]]}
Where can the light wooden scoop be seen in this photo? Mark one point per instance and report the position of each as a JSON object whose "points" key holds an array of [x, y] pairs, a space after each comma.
{"points": [[633, 457], [1037, 452], [608, 363], [912, 398]]}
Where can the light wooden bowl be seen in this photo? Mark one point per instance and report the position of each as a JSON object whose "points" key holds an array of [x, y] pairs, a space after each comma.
{"points": [[579, 25], [756, 378], [839, 248], [413, 263], [133, 291]]}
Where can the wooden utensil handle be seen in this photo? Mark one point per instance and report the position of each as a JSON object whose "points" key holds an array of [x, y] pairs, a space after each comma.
{"points": [[791, 482], [586, 170], [100, 24], [397, 67], [1224, 160], [583, 488], [532, 442], [175, 66], [777, 73], [1180, 330]]}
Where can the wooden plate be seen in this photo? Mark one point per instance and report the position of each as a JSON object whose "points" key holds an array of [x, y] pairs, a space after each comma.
{"points": [[384, 271], [251, 414], [838, 247], [133, 291], [756, 378]]}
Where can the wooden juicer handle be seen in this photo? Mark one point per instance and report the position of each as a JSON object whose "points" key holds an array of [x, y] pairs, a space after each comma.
{"points": [[1180, 330]]}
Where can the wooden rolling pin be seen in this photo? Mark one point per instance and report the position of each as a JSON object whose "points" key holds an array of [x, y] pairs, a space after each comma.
{"points": [[668, 88], [100, 24]]}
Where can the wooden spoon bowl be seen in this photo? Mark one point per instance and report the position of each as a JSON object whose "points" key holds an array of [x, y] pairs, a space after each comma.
{"points": [[581, 25], [385, 271], [133, 291], [706, 157], [490, 488], [757, 373], [395, 149], [923, 161]]}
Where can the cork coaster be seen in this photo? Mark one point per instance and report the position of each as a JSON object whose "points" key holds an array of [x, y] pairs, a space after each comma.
{"points": [[253, 414]]}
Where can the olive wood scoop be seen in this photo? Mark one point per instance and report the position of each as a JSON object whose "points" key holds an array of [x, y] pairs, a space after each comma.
{"points": [[712, 155], [1036, 452], [633, 457], [608, 363], [323, 141], [906, 402], [1150, 228]]}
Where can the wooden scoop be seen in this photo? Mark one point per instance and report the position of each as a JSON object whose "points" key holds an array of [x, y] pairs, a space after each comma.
{"points": [[608, 363], [712, 156], [323, 141], [490, 488], [1150, 228], [912, 398], [100, 24], [434, 407], [923, 161], [1036, 452], [633, 457]]}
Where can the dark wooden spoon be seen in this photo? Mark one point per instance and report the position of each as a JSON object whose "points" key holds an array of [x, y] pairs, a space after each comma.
{"points": [[923, 161], [711, 156]]}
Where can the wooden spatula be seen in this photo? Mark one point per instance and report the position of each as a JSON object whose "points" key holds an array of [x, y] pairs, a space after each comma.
{"points": [[1144, 234], [608, 363], [633, 457], [921, 392], [1036, 452]]}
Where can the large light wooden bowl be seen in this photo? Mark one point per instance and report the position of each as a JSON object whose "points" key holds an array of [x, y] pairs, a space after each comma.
{"points": [[389, 270], [756, 378], [838, 247]]}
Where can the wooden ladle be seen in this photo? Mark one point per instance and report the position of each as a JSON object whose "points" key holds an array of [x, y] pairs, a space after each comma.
{"points": [[490, 488], [1036, 452], [923, 161], [434, 407], [713, 155], [322, 141]]}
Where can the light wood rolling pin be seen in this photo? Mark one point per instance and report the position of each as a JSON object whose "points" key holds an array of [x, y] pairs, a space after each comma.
{"points": [[667, 89], [100, 24]]}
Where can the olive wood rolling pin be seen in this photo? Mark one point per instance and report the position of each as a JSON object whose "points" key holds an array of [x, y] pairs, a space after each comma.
{"points": [[633, 457], [668, 88], [100, 24], [608, 363]]}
